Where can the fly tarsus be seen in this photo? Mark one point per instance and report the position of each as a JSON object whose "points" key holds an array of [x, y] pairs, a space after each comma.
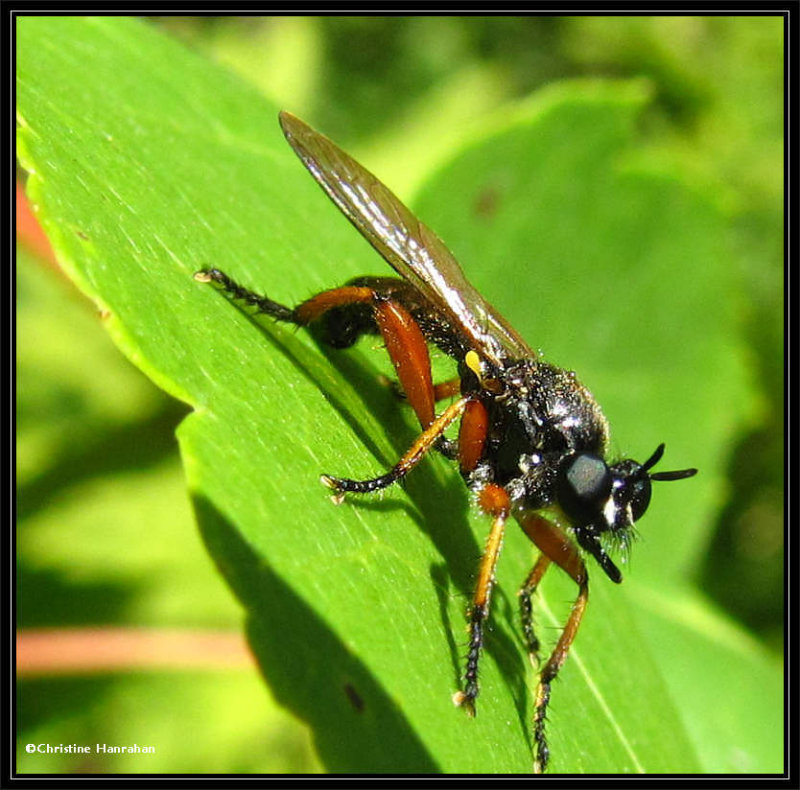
{"points": [[242, 294], [542, 750]]}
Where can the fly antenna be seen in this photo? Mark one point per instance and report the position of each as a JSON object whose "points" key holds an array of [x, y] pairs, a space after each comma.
{"points": [[678, 474]]}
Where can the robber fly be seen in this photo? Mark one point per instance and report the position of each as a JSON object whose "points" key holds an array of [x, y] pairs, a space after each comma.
{"points": [[532, 442]]}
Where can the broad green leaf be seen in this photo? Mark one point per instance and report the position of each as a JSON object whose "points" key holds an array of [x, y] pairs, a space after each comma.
{"points": [[147, 163]]}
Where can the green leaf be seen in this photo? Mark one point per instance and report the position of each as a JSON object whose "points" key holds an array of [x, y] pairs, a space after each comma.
{"points": [[159, 164]]}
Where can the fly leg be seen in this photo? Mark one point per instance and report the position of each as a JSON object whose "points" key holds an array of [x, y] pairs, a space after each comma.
{"points": [[554, 544], [230, 286], [369, 305], [493, 500], [526, 606], [425, 442], [365, 305], [441, 391]]}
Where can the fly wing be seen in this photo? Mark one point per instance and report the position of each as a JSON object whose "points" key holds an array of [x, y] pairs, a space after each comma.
{"points": [[413, 250]]}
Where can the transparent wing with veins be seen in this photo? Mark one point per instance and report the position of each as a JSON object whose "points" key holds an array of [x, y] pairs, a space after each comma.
{"points": [[413, 250]]}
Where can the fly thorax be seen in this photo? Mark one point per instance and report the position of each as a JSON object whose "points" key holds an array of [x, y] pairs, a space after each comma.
{"points": [[566, 411]]}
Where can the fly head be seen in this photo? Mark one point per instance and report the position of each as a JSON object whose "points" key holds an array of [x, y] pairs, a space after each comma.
{"points": [[604, 501]]}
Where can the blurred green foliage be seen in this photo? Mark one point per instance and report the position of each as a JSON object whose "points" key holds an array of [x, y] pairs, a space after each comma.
{"points": [[97, 461], [401, 89]]}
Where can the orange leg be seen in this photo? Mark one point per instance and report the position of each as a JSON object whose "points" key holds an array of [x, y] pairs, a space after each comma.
{"points": [[493, 500], [314, 308], [408, 351], [447, 389], [441, 391], [425, 441], [558, 548], [526, 606], [405, 342], [472, 435]]}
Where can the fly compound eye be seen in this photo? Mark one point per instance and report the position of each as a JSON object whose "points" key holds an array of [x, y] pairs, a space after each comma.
{"points": [[632, 489], [640, 497], [583, 487]]}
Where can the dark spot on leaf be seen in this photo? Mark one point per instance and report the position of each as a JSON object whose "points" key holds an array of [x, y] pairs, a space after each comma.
{"points": [[353, 696], [487, 201]]}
